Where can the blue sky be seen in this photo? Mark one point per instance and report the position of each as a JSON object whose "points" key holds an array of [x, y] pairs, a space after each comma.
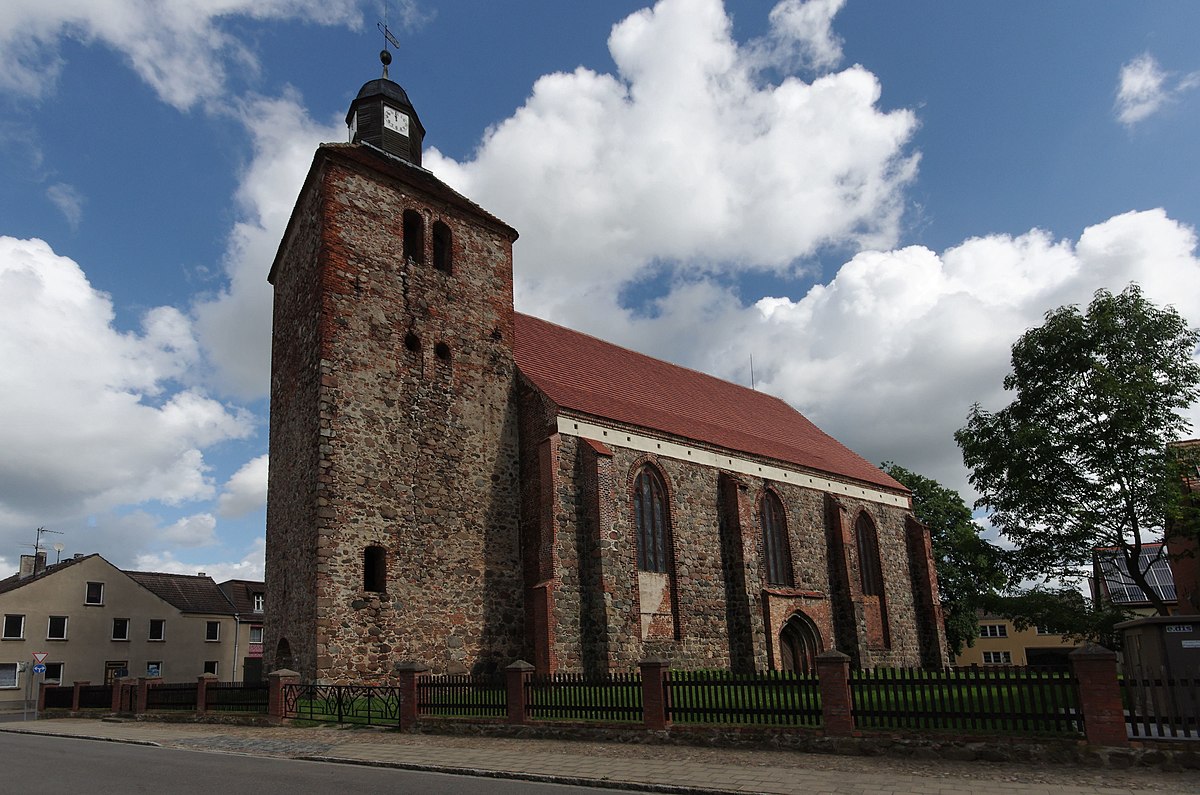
{"points": [[871, 199]]}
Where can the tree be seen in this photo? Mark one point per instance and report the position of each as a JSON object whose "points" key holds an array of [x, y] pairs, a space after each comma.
{"points": [[969, 568], [1064, 611], [1079, 459]]}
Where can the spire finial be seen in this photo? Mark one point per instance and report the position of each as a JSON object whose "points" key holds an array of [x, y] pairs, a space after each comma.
{"points": [[385, 57]]}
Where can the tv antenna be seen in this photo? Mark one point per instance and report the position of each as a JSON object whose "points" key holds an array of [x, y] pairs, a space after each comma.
{"points": [[385, 56], [37, 544]]}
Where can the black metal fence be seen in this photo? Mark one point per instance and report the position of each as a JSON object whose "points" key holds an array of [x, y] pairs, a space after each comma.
{"points": [[578, 697], [363, 704], [991, 699], [772, 698], [1158, 705], [95, 696], [237, 697], [181, 697], [63, 698], [462, 696]]}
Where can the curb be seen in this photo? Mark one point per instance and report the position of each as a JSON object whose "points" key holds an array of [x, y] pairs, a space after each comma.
{"points": [[124, 740]]}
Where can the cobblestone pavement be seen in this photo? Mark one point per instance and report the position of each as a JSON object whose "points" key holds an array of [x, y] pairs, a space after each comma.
{"points": [[652, 767]]}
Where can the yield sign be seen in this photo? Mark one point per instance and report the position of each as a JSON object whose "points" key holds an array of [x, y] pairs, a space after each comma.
{"points": [[40, 656]]}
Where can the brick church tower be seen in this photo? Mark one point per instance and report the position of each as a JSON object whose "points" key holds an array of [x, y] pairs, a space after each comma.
{"points": [[393, 491]]}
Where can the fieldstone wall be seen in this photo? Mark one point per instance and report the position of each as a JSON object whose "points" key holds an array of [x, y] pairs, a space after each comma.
{"points": [[417, 442]]}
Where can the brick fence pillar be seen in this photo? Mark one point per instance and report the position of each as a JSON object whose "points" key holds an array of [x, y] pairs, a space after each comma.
{"points": [[833, 675], [277, 709], [409, 672], [654, 693], [118, 690], [75, 696], [516, 675], [1095, 668], [202, 692], [41, 700], [141, 697]]}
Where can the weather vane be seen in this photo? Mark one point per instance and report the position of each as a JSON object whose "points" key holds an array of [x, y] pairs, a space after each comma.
{"points": [[384, 56]]}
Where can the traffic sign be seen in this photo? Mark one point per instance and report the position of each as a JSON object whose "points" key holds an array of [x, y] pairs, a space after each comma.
{"points": [[40, 668], [39, 657]]}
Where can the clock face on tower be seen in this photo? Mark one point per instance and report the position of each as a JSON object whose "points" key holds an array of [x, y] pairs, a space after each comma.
{"points": [[395, 120]]}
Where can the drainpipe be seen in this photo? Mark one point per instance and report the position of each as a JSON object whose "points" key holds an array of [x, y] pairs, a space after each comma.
{"points": [[237, 631]]}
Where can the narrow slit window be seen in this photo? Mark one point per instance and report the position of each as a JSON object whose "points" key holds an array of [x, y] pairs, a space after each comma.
{"points": [[374, 569], [414, 236], [652, 520], [776, 549], [442, 248]]}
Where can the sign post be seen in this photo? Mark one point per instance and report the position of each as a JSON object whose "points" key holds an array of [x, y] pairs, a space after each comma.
{"points": [[39, 667]]}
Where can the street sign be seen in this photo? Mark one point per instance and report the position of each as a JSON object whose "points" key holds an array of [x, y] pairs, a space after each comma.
{"points": [[39, 657], [40, 668]]}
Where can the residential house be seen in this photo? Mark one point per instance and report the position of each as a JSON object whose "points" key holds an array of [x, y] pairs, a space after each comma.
{"points": [[249, 598], [1001, 643], [95, 622]]}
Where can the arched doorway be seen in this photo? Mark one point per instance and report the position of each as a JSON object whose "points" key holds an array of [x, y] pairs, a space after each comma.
{"points": [[283, 655], [799, 645]]}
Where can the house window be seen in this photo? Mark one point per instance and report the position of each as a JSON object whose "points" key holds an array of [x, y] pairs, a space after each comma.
{"points": [[777, 551], [120, 629], [442, 247], [652, 521], [212, 631], [94, 594], [993, 630], [260, 601], [8, 675], [414, 236], [997, 658], [14, 627], [256, 634], [56, 629], [158, 629], [210, 667], [54, 672], [1047, 631], [154, 668], [374, 569]]}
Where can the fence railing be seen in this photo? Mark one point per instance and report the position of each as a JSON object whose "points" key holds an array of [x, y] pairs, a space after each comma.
{"points": [[236, 697], [172, 697], [363, 704], [462, 696], [95, 696], [772, 698], [991, 699], [62, 698], [1160, 706], [578, 697]]}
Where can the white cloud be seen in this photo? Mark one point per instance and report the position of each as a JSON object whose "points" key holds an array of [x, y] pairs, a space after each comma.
{"points": [[801, 35], [185, 50], [250, 567], [234, 326], [1144, 89], [68, 200], [246, 490], [687, 155], [890, 354], [198, 530], [94, 417]]}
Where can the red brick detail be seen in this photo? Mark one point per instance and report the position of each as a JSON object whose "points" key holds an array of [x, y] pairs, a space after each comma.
{"points": [[599, 447], [409, 674], [927, 602], [41, 699], [202, 692], [276, 704], [75, 696], [833, 672], [1099, 695], [654, 693], [516, 676]]}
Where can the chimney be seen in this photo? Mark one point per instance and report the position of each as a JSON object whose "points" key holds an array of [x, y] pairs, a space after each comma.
{"points": [[39, 565], [26, 570]]}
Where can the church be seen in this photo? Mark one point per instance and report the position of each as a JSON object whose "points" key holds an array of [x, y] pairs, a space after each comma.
{"points": [[459, 485]]}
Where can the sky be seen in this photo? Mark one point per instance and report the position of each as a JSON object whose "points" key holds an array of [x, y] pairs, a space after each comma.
{"points": [[870, 200]]}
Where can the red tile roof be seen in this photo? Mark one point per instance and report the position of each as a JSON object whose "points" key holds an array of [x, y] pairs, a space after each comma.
{"points": [[190, 593], [584, 374]]}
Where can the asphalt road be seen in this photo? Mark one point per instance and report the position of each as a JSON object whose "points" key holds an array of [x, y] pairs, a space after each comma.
{"points": [[36, 765]]}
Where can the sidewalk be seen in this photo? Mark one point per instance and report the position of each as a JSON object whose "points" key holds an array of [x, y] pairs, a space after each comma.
{"points": [[656, 768]]}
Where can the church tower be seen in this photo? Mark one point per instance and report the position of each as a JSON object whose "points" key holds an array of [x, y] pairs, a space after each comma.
{"points": [[393, 496]]}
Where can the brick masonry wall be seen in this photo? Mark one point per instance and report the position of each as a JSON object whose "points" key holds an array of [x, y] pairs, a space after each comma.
{"points": [[292, 534], [706, 541], [418, 452]]}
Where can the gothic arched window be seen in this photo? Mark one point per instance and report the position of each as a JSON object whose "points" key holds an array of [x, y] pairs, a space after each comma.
{"points": [[870, 571], [414, 236], [776, 549], [652, 520], [442, 247]]}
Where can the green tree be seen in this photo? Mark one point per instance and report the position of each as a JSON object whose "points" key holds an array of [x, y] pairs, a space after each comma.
{"points": [[1064, 611], [969, 568], [1079, 458]]}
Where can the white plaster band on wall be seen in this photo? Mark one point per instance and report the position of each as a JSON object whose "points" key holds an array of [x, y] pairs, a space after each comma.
{"points": [[569, 426]]}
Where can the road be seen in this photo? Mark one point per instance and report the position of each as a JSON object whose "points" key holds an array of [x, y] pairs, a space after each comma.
{"points": [[36, 765]]}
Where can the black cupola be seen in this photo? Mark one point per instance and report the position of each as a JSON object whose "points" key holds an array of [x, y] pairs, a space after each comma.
{"points": [[382, 116]]}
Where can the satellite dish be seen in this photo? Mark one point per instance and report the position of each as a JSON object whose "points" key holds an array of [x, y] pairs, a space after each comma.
{"points": [[59, 547]]}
